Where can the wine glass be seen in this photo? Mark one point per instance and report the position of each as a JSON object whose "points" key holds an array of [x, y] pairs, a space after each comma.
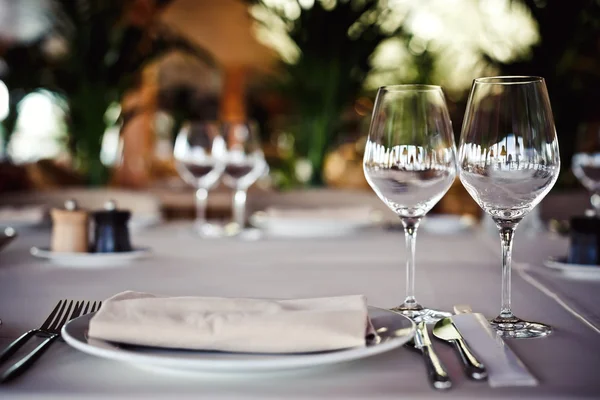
{"points": [[410, 162], [508, 161], [244, 165], [200, 160], [586, 162]]}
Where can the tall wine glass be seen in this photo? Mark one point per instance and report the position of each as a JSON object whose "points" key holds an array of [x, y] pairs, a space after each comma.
{"points": [[200, 159], [586, 162], [410, 163], [508, 162], [245, 164]]}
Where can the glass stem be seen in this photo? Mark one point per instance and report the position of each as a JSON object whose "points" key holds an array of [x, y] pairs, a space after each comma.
{"points": [[239, 207], [410, 236], [595, 200], [507, 231], [201, 202]]}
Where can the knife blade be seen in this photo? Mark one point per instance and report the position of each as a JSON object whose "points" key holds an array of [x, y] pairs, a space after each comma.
{"points": [[438, 377], [505, 368], [445, 330]]}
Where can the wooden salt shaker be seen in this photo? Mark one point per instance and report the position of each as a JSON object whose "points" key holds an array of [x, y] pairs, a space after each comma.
{"points": [[69, 229]]}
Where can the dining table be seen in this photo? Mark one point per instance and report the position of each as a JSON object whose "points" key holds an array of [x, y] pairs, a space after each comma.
{"points": [[451, 269]]}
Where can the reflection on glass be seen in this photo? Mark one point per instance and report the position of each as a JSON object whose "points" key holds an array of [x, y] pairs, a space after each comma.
{"points": [[586, 162], [410, 163], [508, 162], [200, 158]]}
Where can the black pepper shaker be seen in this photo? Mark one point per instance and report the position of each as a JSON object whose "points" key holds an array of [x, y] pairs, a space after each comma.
{"points": [[111, 231], [585, 241]]}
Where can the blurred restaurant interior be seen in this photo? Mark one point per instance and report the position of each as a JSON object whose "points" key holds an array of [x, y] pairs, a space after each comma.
{"points": [[94, 92], [267, 163]]}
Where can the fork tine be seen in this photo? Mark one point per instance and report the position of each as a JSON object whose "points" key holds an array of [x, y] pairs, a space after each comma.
{"points": [[57, 325], [87, 306], [77, 310], [51, 316], [94, 307]]}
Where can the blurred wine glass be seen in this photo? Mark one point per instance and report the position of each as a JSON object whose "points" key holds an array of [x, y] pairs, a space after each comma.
{"points": [[410, 163], [586, 162], [200, 160], [245, 164], [508, 161]]}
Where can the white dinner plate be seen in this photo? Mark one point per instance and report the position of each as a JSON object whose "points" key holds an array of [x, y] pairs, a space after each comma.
{"points": [[575, 271], [309, 227], [93, 260], [394, 330]]}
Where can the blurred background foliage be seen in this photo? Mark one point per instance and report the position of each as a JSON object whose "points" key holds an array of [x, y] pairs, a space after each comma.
{"points": [[314, 105], [89, 55]]}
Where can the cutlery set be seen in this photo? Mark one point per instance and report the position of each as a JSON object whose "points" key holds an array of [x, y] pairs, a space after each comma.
{"points": [[64, 311], [446, 331]]}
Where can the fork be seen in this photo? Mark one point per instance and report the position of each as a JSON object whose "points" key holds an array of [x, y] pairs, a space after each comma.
{"points": [[53, 329], [43, 329]]}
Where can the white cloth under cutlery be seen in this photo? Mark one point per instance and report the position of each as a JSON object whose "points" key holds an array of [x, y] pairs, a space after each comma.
{"points": [[504, 367], [233, 324]]}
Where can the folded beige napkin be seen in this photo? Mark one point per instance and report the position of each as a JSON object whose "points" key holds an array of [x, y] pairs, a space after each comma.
{"points": [[236, 325]]}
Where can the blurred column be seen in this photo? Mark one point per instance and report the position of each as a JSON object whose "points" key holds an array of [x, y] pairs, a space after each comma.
{"points": [[138, 138], [233, 101]]}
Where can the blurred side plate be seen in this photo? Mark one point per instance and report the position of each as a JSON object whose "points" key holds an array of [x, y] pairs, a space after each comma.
{"points": [[307, 226], [91, 260], [574, 271], [447, 224]]}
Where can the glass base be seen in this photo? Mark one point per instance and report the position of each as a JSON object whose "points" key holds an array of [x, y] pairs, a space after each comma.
{"points": [[418, 313], [207, 230], [513, 327], [250, 234]]}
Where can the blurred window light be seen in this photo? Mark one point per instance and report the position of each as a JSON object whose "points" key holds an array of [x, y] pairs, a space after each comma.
{"points": [[24, 20], [40, 130], [110, 152], [4, 99], [459, 34], [328, 4], [306, 4]]}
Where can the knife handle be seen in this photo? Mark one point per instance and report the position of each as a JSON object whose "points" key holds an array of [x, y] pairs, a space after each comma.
{"points": [[16, 345], [474, 369], [435, 370]]}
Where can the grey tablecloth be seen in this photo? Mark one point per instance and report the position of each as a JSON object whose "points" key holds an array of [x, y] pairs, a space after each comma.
{"points": [[451, 269]]}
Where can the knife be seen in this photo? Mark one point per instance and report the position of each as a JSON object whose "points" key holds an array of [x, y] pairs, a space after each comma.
{"points": [[445, 330], [435, 369], [505, 368]]}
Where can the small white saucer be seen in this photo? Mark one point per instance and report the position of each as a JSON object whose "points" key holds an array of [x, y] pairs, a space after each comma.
{"points": [[575, 271], [311, 227], [90, 260]]}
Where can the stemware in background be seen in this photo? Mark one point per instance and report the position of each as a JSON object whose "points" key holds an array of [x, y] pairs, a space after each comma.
{"points": [[508, 162], [200, 159], [586, 162], [245, 164], [410, 163]]}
